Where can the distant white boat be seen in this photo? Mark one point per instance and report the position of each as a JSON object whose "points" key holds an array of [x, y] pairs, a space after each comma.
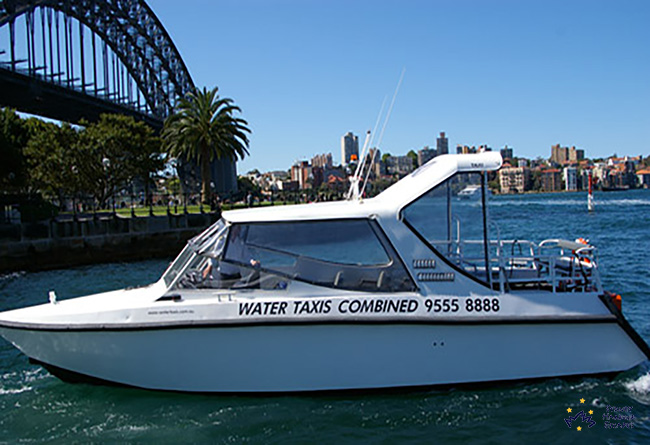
{"points": [[471, 192], [405, 289]]}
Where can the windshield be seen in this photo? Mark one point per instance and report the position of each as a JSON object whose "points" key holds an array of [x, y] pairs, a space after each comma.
{"points": [[209, 243]]}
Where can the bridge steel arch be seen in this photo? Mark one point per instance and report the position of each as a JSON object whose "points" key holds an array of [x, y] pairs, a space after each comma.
{"points": [[80, 58]]}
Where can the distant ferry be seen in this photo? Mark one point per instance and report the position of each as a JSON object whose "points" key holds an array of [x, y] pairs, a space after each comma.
{"points": [[472, 192], [406, 289]]}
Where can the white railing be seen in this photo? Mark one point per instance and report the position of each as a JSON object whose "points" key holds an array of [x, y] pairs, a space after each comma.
{"points": [[564, 266], [554, 264]]}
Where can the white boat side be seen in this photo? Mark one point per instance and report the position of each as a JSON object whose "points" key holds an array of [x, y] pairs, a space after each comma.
{"points": [[321, 357]]}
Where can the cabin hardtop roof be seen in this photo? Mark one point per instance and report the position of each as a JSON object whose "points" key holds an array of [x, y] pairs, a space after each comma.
{"points": [[387, 203]]}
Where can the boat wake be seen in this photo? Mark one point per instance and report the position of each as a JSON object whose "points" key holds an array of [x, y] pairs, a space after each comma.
{"points": [[571, 202], [639, 389], [626, 202], [18, 382]]}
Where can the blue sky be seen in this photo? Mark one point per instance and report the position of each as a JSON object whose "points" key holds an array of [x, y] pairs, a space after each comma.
{"points": [[528, 74]]}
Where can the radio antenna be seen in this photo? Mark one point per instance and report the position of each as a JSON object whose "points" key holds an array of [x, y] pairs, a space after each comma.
{"points": [[353, 192], [383, 128], [390, 109]]}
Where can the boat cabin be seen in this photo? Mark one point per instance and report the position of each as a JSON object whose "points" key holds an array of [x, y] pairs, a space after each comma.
{"points": [[418, 235]]}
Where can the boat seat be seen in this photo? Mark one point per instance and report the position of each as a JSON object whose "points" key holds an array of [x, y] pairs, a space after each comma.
{"points": [[370, 283], [381, 279], [338, 278]]}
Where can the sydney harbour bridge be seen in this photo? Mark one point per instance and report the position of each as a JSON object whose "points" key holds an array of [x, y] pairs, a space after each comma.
{"points": [[76, 59]]}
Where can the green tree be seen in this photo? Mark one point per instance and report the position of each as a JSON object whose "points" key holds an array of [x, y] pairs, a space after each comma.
{"points": [[495, 185], [173, 185], [414, 156], [49, 154], [379, 185], [536, 181], [104, 157], [13, 138], [246, 186], [114, 153], [204, 127]]}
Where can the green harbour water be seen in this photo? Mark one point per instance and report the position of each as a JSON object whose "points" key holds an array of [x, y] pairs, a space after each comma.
{"points": [[36, 407]]}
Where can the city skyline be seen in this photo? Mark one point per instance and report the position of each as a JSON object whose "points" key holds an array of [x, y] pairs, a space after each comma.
{"points": [[498, 73]]}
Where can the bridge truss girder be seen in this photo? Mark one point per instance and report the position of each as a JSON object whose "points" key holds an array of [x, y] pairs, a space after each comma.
{"points": [[141, 51]]}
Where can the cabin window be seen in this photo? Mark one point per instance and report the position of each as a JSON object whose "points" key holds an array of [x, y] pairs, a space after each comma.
{"points": [[451, 219], [348, 254], [351, 254], [351, 242]]}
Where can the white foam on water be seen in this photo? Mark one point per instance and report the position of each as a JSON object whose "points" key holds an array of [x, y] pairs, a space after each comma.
{"points": [[639, 386], [639, 389], [4, 391], [8, 375], [31, 375], [625, 202], [17, 382], [541, 202], [7, 278], [572, 202], [134, 428], [11, 275]]}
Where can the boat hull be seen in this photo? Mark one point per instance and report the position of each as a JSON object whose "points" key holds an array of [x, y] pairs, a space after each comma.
{"points": [[317, 357]]}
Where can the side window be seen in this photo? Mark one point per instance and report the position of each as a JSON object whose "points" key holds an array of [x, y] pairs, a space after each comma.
{"points": [[348, 254], [450, 218], [343, 242]]}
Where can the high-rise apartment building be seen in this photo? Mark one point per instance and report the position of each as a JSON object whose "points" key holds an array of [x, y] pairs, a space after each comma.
{"points": [[300, 173], [324, 160], [551, 180], [374, 156], [425, 155], [559, 154], [465, 149], [576, 155], [565, 155], [507, 153], [570, 176], [401, 165], [442, 145], [349, 148]]}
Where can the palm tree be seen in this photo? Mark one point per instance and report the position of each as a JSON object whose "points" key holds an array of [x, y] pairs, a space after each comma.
{"points": [[204, 128]]}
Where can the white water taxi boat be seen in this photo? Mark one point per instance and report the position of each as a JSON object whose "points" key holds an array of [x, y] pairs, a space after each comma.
{"points": [[406, 289]]}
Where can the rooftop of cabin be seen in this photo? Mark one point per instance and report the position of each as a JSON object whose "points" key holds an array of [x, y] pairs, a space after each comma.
{"points": [[390, 201]]}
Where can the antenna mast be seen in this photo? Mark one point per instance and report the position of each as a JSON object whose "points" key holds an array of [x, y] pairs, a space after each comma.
{"points": [[355, 192]]}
